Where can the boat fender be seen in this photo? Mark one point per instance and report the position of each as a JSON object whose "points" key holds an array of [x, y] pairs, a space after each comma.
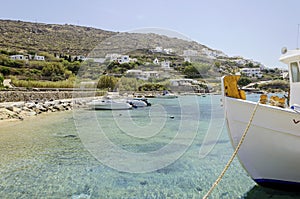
{"points": [[263, 99], [277, 101]]}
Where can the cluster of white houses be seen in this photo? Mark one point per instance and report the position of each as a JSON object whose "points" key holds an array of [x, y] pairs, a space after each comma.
{"points": [[188, 55], [160, 49], [143, 75], [40, 58], [251, 72], [182, 84], [121, 59], [27, 57]]}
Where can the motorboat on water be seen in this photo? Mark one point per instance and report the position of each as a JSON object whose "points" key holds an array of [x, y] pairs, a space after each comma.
{"points": [[270, 152], [109, 104], [166, 95], [139, 102]]}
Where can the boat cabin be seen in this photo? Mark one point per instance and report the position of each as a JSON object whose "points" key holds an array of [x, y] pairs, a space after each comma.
{"points": [[292, 59]]}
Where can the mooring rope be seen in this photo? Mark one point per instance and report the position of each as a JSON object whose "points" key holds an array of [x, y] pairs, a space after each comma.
{"points": [[233, 155]]}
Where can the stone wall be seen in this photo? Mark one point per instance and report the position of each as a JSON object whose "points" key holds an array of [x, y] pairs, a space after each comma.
{"points": [[16, 96]]}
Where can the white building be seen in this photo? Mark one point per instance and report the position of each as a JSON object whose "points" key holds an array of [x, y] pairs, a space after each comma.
{"points": [[117, 57], [183, 82], [134, 73], [158, 49], [168, 50], [28, 57], [79, 57], [123, 59], [144, 75], [151, 74], [39, 58], [112, 56], [19, 57], [165, 64], [251, 72], [155, 61]]}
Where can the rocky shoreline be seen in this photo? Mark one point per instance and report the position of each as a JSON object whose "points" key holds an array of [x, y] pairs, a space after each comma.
{"points": [[22, 110]]}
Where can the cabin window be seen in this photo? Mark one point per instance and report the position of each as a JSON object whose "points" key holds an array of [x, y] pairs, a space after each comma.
{"points": [[295, 72]]}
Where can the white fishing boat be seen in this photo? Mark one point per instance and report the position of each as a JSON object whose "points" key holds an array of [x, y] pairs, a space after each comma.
{"points": [[108, 104], [270, 152]]}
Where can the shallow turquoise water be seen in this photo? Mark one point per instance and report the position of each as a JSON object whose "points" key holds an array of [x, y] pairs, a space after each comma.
{"points": [[157, 156]]}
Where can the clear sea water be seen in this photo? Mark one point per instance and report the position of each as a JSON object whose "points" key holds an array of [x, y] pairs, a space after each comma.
{"points": [[174, 149]]}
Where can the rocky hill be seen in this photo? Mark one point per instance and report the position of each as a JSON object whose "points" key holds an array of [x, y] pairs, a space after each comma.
{"points": [[78, 40], [51, 38]]}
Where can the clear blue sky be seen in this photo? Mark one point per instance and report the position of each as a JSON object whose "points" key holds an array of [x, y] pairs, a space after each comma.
{"points": [[255, 29]]}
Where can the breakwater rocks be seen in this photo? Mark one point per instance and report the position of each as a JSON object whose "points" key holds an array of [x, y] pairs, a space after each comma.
{"points": [[21, 110]]}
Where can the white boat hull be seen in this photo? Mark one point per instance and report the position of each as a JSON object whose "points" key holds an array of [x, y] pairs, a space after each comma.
{"points": [[109, 105], [137, 103], [270, 152], [168, 96]]}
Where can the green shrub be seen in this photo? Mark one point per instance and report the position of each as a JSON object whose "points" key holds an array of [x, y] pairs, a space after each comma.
{"points": [[42, 84], [107, 82], [1, 80], [244, 81], [152, 87]]}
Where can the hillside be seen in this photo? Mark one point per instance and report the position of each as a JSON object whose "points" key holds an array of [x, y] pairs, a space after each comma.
{"points": [[51, 38], [78, 40], [59, 44]]}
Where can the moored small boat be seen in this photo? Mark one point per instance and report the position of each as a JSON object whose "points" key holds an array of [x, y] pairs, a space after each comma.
{"points": [[167, 95], [139, 102], [271, 148], [108, 104]]}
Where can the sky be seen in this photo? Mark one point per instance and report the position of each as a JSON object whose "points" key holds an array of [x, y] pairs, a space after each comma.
{"points": [[253, 29]]}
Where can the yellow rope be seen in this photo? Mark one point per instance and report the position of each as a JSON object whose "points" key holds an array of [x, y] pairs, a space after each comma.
{"points": [[233, 155]]}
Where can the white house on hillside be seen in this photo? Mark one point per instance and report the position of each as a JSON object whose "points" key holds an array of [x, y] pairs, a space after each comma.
{"points": [[183, 82], [165, 64], [251, 72], [158, 49], [123, 59], [144, 75], [168, 50], [134, 73], [28, 57], [151, 74], [112, 56], [18, 57], [39, 58], [79, 57], [155, 61]]}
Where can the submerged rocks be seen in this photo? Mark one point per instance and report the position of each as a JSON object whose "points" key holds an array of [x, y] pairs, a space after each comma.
{"points": [[20, 110]]}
